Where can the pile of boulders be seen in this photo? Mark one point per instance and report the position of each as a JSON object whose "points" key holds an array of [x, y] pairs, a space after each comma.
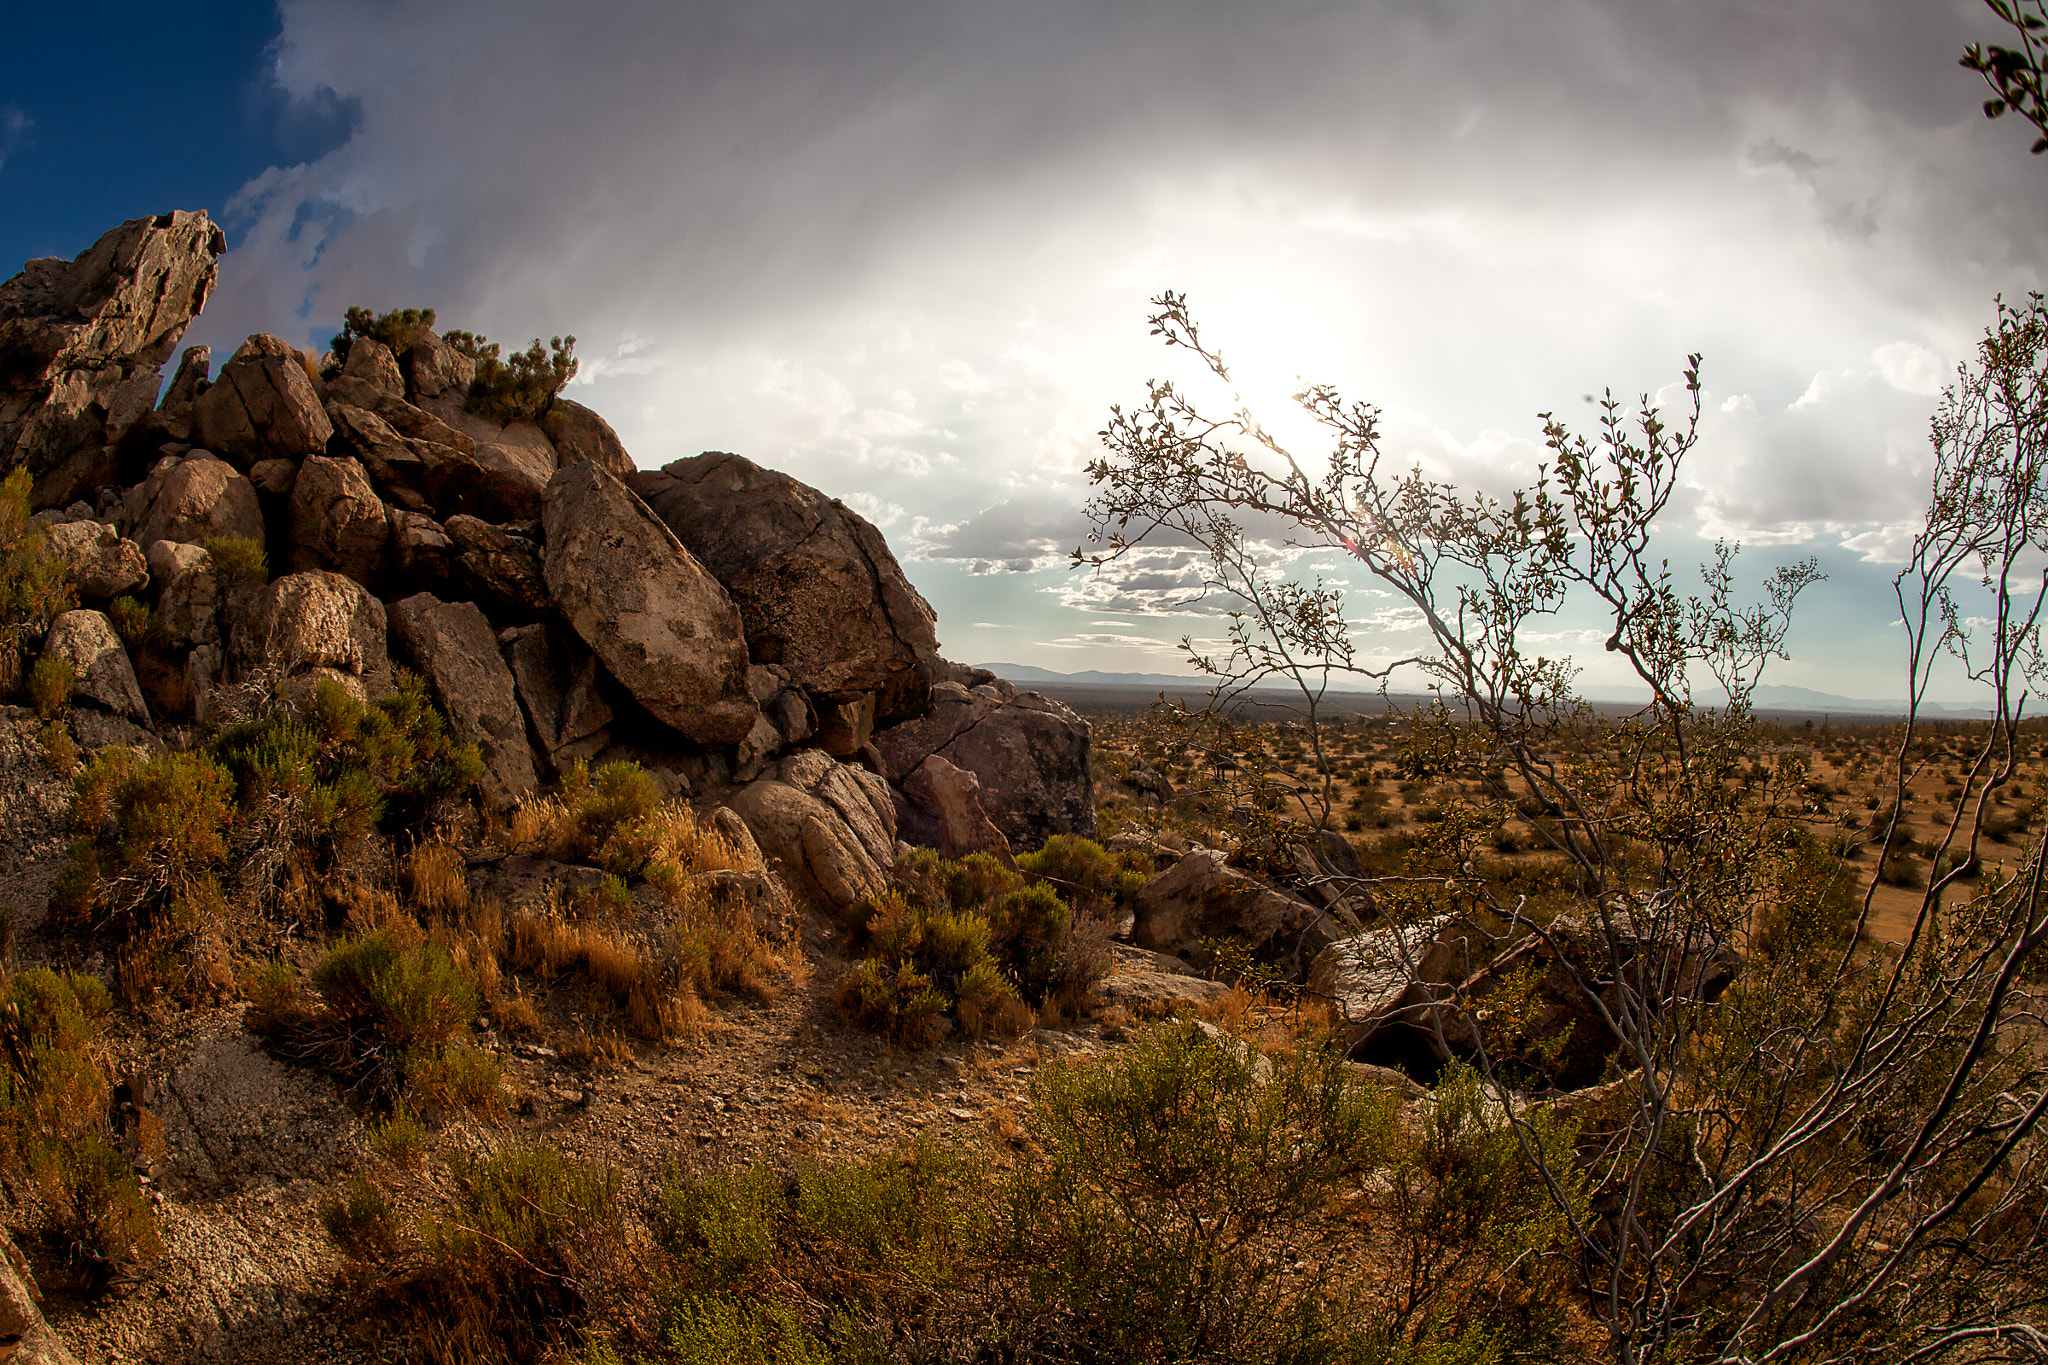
{"points": [[736, 632]]}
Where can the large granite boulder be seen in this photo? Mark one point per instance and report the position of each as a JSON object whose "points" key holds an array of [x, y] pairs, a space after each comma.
{"points": [[456, 650], [939, 806], [97, 559], [192, 498], [313, 625], [370, 361], [662, 625], [173, 418], [1202, 896], [83, 342], [187, 594], [262, 406], [437, 457], [434, 368], [577, 433], [1032, 755], [101, 672], [337, 520], [831, 826], [816, 586]]}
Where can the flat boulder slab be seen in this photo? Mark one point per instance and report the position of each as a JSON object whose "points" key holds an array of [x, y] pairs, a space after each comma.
{"points": [[337, 520], [192, 498], [1033, 757], [83, 343], [101, 673], [232, 1115], [99, 560], [316, 624], [456, 650], [1559, 1019], [1154, 995], [577, 433], [830, 827], [816, 586], [663, 626], [1202, 896], [263, 405], [1382, 982]]}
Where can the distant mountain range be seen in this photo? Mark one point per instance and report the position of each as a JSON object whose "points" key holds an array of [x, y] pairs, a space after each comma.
{"points": [[1772, 697]]}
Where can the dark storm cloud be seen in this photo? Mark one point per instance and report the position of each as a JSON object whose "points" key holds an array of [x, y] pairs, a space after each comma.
{"points": [[902, 249]]}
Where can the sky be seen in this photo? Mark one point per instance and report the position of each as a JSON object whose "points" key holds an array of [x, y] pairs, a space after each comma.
{"points": [[905, 250]]}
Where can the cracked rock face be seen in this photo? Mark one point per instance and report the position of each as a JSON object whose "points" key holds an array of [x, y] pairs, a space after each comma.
{"points": [[83, 342], [192, 498], [816, 586], [1032, 756]]}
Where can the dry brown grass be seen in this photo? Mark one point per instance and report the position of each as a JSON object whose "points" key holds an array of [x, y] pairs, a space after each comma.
{"points": [[436, 879], [602, 1050]]}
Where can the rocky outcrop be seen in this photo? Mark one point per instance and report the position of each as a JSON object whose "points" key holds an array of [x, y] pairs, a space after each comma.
{"points": [[818, 591], [263, 405], [100, 670], [455, 649], [662, 625], [510, 465], [83, 342], [1032, 755], [192, 497], [831, 827], [337, 521], [97, 559], [187, 594], [1410, 994]]}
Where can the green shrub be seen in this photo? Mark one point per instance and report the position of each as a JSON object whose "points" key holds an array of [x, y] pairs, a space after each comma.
{"points": [[1172, 1187], [970, 938], [358, 1218], [54, 1123], [400, 1137], [156, 834], [1087, 876], [238, 561], [33, 586], [506, 1275], [380, 995], [134, 622], [50, 682], [522, 385], [399, 329]]}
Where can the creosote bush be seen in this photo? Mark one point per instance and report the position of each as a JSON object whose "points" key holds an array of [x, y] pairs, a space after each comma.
{"points": [[970, 940], [33, 587], [55, 1123], [506, 1273], [1184, 1200]]}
